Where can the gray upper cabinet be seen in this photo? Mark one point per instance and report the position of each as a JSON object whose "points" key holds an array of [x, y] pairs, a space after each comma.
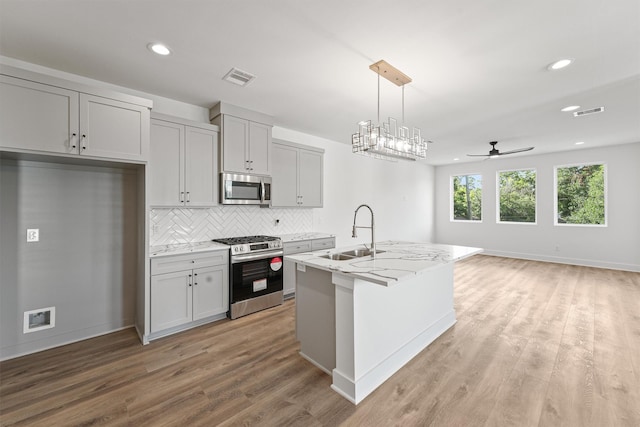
{"points": [[110, 128], [245, 139], [56, 110], [183, 163], [297, 175], [71, 122], [246, 146]]}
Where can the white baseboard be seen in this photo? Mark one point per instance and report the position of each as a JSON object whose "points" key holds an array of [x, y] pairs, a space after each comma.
{"points": [[356, 390], [24, 349], [564, 260]]}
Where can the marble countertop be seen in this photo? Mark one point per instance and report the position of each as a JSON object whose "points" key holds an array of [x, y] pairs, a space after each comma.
{"points": [[296, 237], [400, 260], [186, 248]]}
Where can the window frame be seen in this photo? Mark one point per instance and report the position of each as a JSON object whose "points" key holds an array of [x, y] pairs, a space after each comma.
{"points": [[452, 204], [606, 194], [498, 221]]}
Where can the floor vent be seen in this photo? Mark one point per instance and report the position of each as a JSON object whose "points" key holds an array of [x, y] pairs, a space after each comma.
{"points": [[587, 112], [238, 77]]}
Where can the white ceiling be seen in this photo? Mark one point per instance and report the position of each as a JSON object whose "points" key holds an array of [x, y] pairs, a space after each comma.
{"points": [[478, 67]]}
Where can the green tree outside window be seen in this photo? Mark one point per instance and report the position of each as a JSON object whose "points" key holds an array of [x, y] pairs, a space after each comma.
{"points": [[517, 196], [467, 197], [581, 194]]}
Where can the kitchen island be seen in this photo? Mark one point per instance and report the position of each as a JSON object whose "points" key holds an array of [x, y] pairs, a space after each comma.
{"points": [[361, 319]]}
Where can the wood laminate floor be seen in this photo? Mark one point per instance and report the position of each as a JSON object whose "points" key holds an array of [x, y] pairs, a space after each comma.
{"points": [[536, 344]]}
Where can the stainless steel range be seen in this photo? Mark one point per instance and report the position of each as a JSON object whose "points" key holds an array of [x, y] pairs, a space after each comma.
{"points": [[255, 274]]}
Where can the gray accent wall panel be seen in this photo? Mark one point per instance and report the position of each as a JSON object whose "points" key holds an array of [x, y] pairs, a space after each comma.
{"points": [[85, 264]]}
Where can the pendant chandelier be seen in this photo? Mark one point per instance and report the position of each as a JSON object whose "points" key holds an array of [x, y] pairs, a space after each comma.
{"points": [[388, 140]]}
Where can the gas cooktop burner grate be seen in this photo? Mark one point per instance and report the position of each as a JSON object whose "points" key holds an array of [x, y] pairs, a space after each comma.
{"points": [[245, 239]]}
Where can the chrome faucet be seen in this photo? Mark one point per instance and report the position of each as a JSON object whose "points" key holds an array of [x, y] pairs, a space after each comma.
{"points": [[354, 233]]}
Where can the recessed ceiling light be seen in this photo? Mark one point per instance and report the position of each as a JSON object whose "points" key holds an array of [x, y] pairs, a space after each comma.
{"points": [[456, 159], [579, 142], [560, 64], [570, 108], [159, 48]]}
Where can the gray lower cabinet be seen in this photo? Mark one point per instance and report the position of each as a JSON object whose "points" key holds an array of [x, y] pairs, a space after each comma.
{"points": [[188, 288], [289, 267]]}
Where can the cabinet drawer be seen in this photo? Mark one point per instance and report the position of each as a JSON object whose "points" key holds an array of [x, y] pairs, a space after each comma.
{"points": [[328, 243], [297, 247], [167, 264]]}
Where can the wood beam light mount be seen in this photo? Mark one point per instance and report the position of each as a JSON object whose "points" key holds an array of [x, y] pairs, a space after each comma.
{"points": [[389, 72]]}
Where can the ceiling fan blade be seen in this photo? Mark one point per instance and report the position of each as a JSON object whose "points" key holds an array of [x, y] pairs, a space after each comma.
{"points": [[518, 150], [478, 155]]}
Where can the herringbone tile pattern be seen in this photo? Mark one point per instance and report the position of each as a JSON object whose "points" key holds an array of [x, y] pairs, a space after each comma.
{"points": [[172, 226]]}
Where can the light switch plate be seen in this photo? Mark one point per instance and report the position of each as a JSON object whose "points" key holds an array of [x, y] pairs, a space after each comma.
{"points": [[33, 235]]}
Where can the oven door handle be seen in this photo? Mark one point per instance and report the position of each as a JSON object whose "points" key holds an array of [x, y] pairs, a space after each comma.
{"points": [[250, 257]]}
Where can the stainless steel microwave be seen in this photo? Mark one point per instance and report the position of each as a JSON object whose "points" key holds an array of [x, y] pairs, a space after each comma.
{"points": [[241, 189]]}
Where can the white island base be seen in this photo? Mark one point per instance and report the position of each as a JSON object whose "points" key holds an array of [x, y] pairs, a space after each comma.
{"points": [[362, 332]]}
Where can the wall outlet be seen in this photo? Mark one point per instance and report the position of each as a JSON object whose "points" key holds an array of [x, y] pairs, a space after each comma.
{"points": [[33, 235], [277, 222]]}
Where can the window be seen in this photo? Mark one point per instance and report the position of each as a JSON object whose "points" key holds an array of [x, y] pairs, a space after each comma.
{"points": [[466, 198], [581, 194], [517, 196]]}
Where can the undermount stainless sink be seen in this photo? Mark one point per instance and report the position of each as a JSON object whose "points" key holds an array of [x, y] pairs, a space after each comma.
{"points": [[343, 256], [337, 257], [357, 253]]}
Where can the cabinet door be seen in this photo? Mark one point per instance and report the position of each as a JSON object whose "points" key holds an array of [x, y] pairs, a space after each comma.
{"points": [[201, 170], [210, 291], [310, 178], [235, 139], [259, 148], [166, 163], [171, 300], [284, 189], [39, 117], [113, 129]]}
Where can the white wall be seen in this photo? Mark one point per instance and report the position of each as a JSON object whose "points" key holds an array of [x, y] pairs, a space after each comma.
{"points": [[615, 246], [401, 194]]}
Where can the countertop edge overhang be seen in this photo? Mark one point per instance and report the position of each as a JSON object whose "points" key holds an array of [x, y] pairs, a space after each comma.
{"points": [[399, 261]]}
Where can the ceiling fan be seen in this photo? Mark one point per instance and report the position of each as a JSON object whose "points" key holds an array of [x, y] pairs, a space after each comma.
{"points": [[495, 152]]}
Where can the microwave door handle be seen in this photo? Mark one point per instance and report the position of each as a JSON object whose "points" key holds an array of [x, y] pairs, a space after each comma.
{"points": [[262, 192]]}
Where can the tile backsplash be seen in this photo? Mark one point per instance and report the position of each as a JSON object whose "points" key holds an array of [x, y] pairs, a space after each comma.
{"points": [[178, 225]]}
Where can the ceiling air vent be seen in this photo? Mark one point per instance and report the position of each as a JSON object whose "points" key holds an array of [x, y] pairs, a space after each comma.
{"points": [[587, 112], [238, 77]]}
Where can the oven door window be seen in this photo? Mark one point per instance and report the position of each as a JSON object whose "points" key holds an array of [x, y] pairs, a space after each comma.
{"points": [[253, 279]]}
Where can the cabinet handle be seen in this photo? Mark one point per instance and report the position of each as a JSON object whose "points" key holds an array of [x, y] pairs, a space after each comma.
{"points": [[182, 197], [189, 280], [84, 141], [195, 275], [193, 261], [72, 141], [188, 197]]}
